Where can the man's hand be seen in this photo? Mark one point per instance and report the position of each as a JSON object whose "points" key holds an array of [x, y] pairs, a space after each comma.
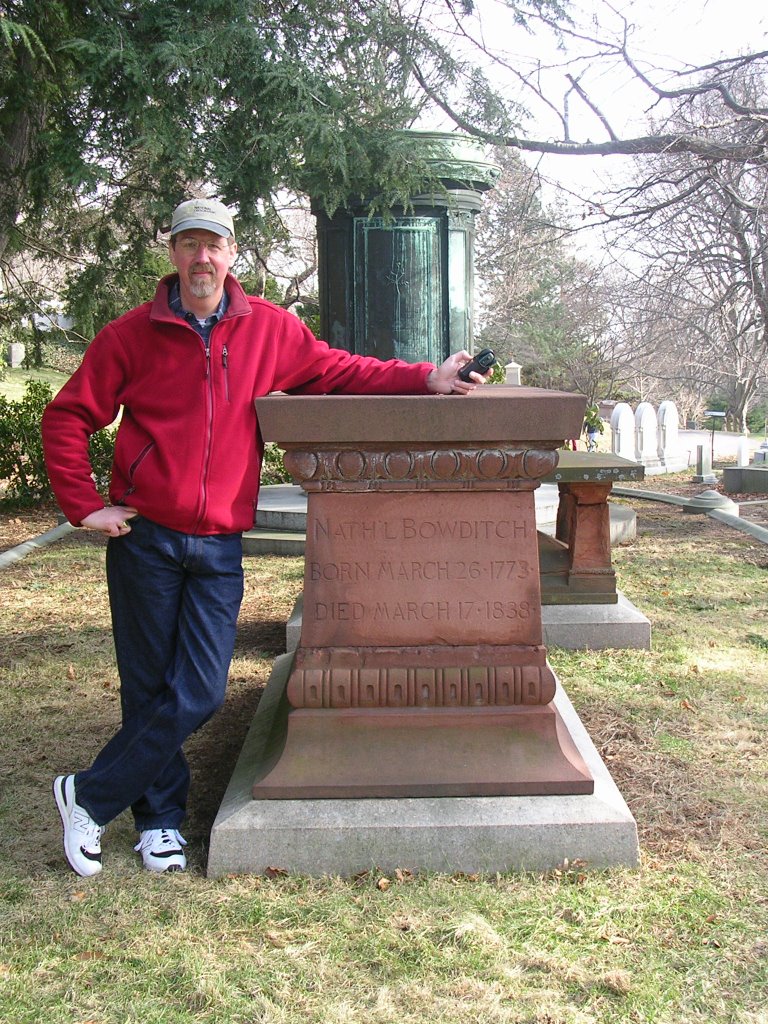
{"points": [[112, 521], [445, 381]]}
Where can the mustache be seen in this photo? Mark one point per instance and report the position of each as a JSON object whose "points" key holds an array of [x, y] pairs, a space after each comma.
{"points": [[207, 267]]}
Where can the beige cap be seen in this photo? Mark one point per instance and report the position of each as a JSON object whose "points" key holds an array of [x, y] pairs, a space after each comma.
{"points": [[208, 214]]}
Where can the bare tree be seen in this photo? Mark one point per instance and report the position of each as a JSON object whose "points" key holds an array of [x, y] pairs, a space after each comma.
{"points": [[706, 260], [466, 90]]}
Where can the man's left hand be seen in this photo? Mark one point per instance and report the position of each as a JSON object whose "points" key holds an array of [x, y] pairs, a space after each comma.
{"points": [[445, 380]]}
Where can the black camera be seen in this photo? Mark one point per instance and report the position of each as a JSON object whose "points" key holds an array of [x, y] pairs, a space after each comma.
{"points": [[481, 363]]}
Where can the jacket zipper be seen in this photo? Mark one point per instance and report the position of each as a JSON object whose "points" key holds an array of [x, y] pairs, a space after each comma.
{"points": [[208, 436], [225, 364], [132, 469]]}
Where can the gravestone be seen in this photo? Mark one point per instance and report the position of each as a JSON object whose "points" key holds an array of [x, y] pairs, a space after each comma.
{"points": [[670, 453], [422, 629], [646, 431], [512, 374], [704, 474], [623, 431], [746, 477], [420, 673], [16, 354]]}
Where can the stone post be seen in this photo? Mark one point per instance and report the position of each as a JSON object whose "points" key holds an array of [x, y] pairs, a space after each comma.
{"points": [[421, 669], [583, 524]]}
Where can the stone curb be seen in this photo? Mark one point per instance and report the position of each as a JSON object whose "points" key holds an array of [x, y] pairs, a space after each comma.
{"points": [[736, 522], [21, 550], [758, 532]]}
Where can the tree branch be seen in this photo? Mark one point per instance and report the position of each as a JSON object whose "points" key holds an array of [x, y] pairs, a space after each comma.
{"points": [[642, 145]]}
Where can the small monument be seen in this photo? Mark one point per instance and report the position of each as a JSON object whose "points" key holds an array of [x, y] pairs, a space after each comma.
{"points": [[512, 374], [670, 453], [421, 673], [646, 441], [403, 286], [16, 354], [704, 474], [623, 431]]}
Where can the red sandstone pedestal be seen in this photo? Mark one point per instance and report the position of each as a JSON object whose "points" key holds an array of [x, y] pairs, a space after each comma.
{"points": [[421, 669]]}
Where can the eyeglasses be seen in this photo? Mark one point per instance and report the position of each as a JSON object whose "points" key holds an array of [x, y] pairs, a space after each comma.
{"points": [[192, 246]]}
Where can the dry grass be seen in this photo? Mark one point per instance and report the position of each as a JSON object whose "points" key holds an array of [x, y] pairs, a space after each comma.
{"points": [[683, 729], [57, 660]]}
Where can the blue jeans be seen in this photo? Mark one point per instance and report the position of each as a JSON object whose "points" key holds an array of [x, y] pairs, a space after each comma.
{"points": [[175, 600]]}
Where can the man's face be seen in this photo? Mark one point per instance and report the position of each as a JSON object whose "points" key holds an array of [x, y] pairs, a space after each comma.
{"points": [[202, 259]]}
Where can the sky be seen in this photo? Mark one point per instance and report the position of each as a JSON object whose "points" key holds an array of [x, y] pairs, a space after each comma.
{"points": [[663, 35]]}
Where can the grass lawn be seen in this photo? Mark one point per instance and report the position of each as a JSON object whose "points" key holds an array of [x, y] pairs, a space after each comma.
{"points": [[13, 381], [681, 939]]}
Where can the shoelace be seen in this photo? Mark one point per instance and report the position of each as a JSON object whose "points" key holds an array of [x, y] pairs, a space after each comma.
{"points": [[156, 838]]}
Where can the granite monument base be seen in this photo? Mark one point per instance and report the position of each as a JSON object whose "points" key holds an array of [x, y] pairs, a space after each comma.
{"points": [[596, 627], [463, 750], [446, 834]]}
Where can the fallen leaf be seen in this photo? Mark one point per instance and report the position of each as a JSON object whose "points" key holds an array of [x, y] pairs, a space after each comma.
{"points": [[272, 872], [383, 884], [71, 672]]}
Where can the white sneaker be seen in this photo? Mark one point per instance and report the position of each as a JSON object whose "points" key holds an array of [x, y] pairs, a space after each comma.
{"points": [[82, 836], [161, 849]]}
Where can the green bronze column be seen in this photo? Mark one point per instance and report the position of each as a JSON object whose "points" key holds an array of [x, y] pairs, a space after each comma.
{"points": [[403, 286]]}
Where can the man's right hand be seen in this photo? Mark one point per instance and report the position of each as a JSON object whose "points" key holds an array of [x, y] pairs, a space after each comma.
{"points": [[112, 521]]}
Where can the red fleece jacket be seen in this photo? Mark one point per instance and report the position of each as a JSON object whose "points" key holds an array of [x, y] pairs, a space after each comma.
{"points": [[188, 450]]}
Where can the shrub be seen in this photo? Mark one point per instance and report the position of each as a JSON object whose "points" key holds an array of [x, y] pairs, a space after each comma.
{"points": [[21, 447], [273, 469], [22, 467]]}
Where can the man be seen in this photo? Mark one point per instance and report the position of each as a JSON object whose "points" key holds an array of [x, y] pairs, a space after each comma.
{"points": [[185, 368]]}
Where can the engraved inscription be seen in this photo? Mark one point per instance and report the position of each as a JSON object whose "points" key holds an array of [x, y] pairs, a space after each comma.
{"points": [[433, 569], [408, 528], [429, 571], [450, 611]]}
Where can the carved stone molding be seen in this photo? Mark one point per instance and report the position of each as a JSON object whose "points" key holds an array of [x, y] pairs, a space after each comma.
{"points": [[353, 468], [428, 687]]}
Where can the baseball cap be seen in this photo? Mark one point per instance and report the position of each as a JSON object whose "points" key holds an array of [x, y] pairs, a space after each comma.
{"points": [[208, 214]]}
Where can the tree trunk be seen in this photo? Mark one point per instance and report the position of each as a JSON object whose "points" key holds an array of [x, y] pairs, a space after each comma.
{"points": [[18, 144]]}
